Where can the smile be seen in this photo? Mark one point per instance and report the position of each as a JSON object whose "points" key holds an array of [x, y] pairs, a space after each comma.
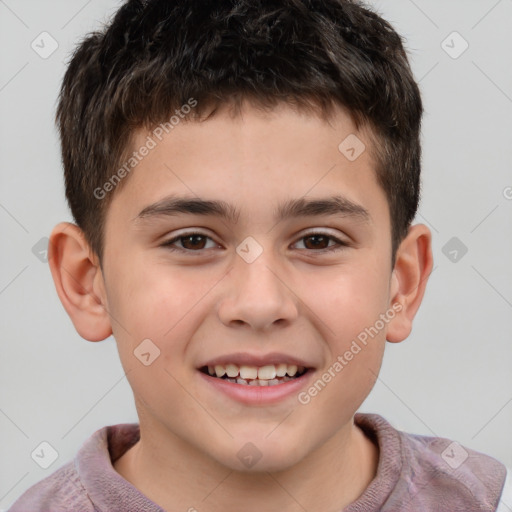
{"points": [[268, 375]]}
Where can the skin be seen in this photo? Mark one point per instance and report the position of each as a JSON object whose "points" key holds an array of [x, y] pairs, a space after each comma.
{"points": [[294, 298]]}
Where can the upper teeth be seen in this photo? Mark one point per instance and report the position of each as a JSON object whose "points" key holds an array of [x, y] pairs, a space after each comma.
{"points": [[267, 372]]}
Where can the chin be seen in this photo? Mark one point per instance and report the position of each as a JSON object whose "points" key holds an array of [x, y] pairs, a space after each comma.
{"points": [[253, 457]]}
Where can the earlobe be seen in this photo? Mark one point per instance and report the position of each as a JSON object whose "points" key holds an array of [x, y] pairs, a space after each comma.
{"points": [[79, 281], [413, 266]]}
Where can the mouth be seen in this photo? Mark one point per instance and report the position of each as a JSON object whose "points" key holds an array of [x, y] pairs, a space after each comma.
{"points": [[260, 376]]}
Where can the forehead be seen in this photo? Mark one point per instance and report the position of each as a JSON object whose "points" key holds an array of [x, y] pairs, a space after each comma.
{"points": [[250, 160]]}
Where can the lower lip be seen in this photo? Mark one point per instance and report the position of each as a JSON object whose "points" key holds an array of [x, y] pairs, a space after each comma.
{"points": [[259, 395]]}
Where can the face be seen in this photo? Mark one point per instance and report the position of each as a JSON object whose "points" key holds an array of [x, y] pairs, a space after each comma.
{"points": [[287, 264]]}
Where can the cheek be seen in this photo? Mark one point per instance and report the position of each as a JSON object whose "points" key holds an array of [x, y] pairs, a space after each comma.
{"points": [[137, 301], [350, 301], [144, 295], [350, 306], [156, 302]]}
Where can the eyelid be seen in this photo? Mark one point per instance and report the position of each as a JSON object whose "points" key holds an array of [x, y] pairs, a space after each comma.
{"points": [[320, 231], [176, 237]]}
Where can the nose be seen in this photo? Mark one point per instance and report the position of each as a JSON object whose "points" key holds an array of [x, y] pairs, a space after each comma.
{"points": [[258, 295]]}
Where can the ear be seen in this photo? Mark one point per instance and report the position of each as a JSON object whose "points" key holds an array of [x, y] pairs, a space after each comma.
{"points": [[79, 281], [409, 279]]}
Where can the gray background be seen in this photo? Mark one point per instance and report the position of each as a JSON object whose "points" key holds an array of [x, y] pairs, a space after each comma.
{"points": [[451, 378]]}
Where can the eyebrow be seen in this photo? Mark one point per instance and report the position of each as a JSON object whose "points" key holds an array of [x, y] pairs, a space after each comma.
{"points": [[332, 206]]}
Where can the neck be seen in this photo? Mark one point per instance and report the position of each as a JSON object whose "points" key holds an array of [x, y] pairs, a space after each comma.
{"points": [[176, 476]]}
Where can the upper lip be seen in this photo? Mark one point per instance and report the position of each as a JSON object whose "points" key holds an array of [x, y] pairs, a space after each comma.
{"points": [[246, 359]]}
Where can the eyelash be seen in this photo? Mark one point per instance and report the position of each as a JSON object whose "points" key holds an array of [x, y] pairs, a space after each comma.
{"points": [[341, 245]]}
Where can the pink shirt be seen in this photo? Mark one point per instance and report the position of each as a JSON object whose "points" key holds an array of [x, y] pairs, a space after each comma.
{"points": [[415, 473]]}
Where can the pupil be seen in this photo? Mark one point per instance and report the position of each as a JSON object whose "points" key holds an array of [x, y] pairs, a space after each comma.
{"points": [[194, 238], [316, 237]]}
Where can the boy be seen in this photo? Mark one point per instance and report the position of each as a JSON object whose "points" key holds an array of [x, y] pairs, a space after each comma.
{"points": [[243, 177]]}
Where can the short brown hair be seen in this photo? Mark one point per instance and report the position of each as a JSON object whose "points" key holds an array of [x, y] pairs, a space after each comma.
{"points": [[157, 54]]}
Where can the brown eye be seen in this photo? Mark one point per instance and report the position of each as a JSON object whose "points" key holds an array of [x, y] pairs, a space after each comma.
{"points": [[191, 242], [319, 242]]}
